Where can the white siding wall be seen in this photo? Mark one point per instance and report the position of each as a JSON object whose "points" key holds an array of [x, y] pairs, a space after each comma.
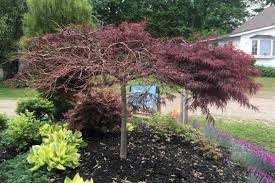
{"points": [[244, 42], [246, 46]]}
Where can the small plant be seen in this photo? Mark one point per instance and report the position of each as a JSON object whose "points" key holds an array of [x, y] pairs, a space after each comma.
{"points": [[56, 155], [126, 181], [244, 153], [17, 171], [58, 150], [40, 107], [23, 130], [223, 139], [258, 176], [77, 179], [3, 121], [208, 148], [130, 127], [169, 127], [57, 133], [99, 112], [48, 129]]}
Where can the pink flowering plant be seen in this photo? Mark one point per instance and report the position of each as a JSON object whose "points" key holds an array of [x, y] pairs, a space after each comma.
{"points": [[246, 154], [259, 176]]}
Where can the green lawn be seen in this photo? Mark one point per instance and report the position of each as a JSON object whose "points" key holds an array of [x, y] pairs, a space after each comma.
{"points": [[15, 93], [261, 134], [268, 84]]}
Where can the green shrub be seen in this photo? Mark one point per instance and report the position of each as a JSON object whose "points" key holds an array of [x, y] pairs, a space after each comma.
{"points": [[58, 150], [17, 171], [266, 71], [46, 16], [40, 107], [3, 121], [77, 179], [23, 130]]}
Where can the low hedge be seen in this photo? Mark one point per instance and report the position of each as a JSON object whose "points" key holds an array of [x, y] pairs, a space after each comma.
{"points": [[267, 71]]}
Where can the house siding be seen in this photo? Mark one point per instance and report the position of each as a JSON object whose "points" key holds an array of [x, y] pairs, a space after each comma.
{"points": [[246, 46], [244, 43]]}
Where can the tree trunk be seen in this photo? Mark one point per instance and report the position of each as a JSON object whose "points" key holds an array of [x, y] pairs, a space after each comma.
{"points": [[184, 106], [123, 140]]}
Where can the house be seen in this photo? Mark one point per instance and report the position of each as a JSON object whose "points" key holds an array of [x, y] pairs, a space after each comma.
{"points": [[256, 37]]}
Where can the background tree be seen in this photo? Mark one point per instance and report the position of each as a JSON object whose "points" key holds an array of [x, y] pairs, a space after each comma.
{"points": [[46, 16], [11, 13], [177, 17], [117, 11], [82, 60]]}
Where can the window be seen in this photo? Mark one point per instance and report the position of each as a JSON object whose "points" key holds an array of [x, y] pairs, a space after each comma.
{"points": [[265, 47], [254, 47]]}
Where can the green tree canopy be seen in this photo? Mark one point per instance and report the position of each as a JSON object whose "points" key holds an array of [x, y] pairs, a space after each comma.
{"points": [[176, 17], [11, 13], [46, 16]]}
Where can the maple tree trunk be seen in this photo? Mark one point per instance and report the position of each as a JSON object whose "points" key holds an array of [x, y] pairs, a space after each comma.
{"points": [[184, 107], [123, 139]]}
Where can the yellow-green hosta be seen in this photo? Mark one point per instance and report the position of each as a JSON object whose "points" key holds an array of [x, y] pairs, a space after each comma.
{"points": [[48, 129], [57, 133], [77, 179], [55, 155]]}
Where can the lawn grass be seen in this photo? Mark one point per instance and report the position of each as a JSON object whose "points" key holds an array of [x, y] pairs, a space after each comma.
{"points": [[261, 134], [268, 84], [15, 93]]}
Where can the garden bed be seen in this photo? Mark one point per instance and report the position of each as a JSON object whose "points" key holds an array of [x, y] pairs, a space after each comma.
{"points": [[151, 159]]}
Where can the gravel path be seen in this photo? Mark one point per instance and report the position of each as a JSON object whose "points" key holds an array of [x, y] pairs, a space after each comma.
{"points": [[8, 107], [264, 101]]}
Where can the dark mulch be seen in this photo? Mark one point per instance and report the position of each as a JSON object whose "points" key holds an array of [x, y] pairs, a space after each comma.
{"points": [[152, 159], [8, 152]]}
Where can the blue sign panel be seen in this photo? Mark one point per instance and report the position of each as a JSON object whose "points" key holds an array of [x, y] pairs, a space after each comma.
{"points": [[143, 96]]}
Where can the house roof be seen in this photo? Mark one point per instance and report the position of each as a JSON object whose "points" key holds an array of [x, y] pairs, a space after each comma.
{"points": [[265, 18]]}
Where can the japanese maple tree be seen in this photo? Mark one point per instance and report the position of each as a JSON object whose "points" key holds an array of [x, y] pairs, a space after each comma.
{"points": [[80, 60]]}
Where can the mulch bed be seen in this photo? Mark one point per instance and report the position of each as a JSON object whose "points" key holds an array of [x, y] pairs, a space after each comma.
{"points": [[7, 153], [151, 159]]}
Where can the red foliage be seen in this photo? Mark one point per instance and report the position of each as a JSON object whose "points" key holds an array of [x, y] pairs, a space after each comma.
{"points": [[99, 112], [214, 75], [78, 60]]}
